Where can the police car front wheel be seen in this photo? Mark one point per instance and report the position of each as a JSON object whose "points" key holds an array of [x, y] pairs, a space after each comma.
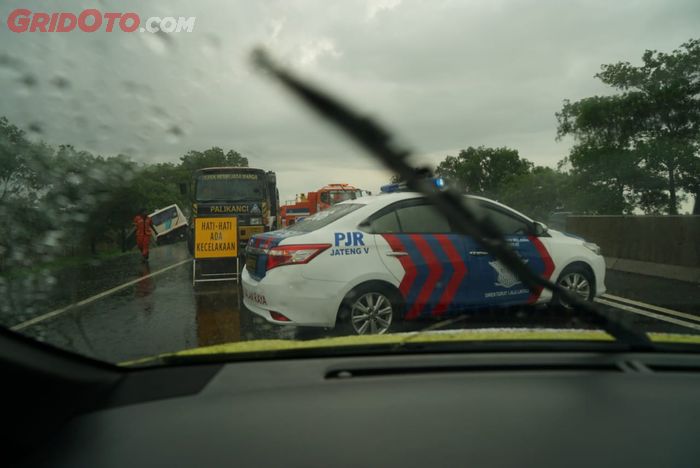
{"points": [[579, 281]]}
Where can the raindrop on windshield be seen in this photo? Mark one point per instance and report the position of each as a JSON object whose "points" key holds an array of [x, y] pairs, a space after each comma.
{"points": [[61, 82], [9, 61], [28, 80], [175, 130], [158, 42], [175, 133], [36, 127], [211, 46]]}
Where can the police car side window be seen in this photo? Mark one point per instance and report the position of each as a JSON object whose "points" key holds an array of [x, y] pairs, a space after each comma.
{"points": [[422, 219], [386, 223], [507, 224]]}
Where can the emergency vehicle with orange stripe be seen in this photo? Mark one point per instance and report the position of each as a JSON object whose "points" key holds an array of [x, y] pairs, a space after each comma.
{"points": [[307, 204], [367, 264]]}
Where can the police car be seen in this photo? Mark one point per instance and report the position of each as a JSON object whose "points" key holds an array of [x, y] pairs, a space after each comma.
{"points": [[368, 263]]}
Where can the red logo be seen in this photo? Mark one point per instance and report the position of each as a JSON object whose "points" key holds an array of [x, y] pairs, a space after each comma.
{"points": [[23, 20]]}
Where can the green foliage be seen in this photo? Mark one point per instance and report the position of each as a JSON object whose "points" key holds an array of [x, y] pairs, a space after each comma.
{"points": [[18, 157], [213, 157], [646, 134], [537, 193], [66, 201], [483, 170]]}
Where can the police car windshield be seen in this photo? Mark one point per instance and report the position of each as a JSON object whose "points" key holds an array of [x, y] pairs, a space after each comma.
{"points": [[326, 217]]}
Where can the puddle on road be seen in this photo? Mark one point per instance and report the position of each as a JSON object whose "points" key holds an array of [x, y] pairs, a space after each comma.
{"points": [[218, 314], [221, 317]]}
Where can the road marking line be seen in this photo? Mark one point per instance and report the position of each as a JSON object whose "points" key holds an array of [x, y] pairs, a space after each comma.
{"points": [[653, 307], [50, 315], [664, 318]]}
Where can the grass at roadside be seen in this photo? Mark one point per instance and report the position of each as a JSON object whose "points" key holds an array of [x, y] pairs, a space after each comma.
{"points": [[65, 262]]}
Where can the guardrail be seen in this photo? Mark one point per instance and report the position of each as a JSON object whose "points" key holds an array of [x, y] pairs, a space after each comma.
{"points": [[666, 246]]}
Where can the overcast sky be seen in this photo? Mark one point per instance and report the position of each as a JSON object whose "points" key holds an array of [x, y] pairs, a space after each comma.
{"points": [[443, 74]]}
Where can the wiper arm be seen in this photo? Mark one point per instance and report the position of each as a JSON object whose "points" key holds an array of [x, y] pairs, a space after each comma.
{"points": [[379, 143]]}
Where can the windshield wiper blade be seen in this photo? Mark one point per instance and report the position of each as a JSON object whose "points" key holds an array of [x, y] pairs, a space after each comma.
{"points": [[378, 142]]}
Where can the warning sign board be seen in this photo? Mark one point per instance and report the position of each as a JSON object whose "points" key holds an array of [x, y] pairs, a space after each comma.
{"points": [[216, 237]]}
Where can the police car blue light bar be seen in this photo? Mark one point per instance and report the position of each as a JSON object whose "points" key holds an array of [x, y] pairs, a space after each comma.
{"points": [[391, 188], [401, 186]]}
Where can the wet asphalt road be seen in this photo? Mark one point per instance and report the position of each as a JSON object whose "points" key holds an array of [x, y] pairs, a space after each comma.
{"points": [[162, 312]]}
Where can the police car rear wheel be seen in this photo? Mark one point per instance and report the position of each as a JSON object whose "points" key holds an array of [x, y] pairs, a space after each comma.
{"points": [[371, 313]]}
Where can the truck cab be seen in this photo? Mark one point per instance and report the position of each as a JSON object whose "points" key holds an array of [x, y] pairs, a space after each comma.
{"points": [[248, 194], [307, 204]]}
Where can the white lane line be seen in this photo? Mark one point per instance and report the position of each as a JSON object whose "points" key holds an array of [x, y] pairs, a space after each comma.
{"points": [[50, 315], [664, 318], [644, 305]]}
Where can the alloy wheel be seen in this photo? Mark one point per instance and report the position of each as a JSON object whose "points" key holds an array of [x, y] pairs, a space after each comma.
{"points": [[371, 314], [577, 284]]}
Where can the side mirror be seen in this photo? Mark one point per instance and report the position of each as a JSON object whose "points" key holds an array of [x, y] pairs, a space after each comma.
{"points": [[540, 228], [183, 188]]}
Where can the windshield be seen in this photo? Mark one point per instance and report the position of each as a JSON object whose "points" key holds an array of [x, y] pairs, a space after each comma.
{"points": [[571, 129], [228, 187], [164, 216], [337, 196]]}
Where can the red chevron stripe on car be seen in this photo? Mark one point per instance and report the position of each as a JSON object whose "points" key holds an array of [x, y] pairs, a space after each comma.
{"points": [[406, 262], [434, 273], [460, 271], [548, 267]]}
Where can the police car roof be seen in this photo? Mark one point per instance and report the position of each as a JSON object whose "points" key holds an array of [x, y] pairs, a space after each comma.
{"points": [[388, 198], [384, 197]]}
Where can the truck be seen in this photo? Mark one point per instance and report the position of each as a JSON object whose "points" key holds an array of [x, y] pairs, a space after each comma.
{"points": [[229, 206], [170, 224], [312, 202]]}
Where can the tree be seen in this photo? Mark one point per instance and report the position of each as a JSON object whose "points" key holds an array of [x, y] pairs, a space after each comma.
{"points": [[212, 157], [60, 200], [18, 159], [538, 193], [483, 170], [604, 156], [87, 197], [545, 190], [652, 127]]}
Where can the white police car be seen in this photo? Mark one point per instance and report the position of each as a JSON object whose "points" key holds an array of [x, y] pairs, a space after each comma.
{"points": [[368, 263]]}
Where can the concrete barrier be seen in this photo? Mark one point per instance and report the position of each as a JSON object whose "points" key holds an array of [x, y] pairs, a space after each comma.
{"points": [[666, 246]]}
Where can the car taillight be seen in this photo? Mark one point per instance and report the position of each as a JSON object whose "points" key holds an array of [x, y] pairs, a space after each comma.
{"points": [[293, 254], [279, 317]]}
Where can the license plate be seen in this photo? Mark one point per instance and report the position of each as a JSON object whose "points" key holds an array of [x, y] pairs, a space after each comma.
{"points": [[251, 262]]}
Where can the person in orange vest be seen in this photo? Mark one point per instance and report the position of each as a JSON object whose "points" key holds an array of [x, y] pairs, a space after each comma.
{"points": [[144, 231]]}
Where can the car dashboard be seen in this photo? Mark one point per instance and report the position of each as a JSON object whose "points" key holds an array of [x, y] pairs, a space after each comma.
{"points": [[473, 409]]}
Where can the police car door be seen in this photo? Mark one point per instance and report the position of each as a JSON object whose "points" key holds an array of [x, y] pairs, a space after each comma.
{"points": [[491, 282], [419, 248]]}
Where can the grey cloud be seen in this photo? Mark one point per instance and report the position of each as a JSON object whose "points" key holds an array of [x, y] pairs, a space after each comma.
{"points": [[443, 74]]}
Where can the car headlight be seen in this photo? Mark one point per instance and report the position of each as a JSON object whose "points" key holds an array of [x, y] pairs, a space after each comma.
{"points": [[255, 220], [595, 248]]}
